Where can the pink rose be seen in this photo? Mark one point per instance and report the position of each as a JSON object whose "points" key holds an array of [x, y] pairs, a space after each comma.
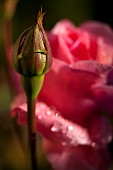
{"points": [[77, 97]]}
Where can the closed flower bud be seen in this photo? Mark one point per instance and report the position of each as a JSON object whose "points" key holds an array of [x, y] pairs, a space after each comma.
{"points": [[32, 53]]}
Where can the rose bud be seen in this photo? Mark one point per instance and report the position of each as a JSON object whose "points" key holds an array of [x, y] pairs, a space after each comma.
{"points": [[32, 57], [31, 53]]}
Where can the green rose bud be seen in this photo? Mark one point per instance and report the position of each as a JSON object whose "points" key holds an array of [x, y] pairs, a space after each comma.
{"points": [[31, 53], [32, 57]]}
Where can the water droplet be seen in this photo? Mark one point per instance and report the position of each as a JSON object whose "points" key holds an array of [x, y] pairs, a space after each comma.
{"points": [[24, 105], [93, 144], [70, 127], [63, 143], [57, 114], [109, 138], [64, 132], [54, 129], [48, 112], [39, 116]]}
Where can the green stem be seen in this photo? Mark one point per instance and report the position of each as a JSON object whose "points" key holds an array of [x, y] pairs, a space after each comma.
{"points": [[31, 131], [32, 87]]}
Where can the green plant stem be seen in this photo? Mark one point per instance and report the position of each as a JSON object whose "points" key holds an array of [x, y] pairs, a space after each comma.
{"points": [[32, 87], [31, 131]]}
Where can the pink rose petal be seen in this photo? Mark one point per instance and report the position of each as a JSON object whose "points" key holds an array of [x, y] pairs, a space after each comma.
{"points": [[80, 157], [69, 88], [104, 35], [99, 29], [63, 27], [59, 129], [104, 52], [53, 126], [92, 66]]}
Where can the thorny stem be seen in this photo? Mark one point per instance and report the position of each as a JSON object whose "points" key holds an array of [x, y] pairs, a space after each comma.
{"points": [[31, 103]]}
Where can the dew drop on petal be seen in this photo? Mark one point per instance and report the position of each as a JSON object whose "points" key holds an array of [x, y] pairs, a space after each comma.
{"points": [[64, 131], [39, 116], [48, 112], [109, 138], [54, 129], [70, 128], [64, 144], [93, 144], [57, 114], [24, 105]]}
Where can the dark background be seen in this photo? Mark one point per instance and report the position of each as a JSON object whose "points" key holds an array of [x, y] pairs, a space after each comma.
{"points": [[77, 11]]}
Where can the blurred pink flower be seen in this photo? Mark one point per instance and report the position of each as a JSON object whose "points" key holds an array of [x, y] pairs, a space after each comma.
{"points": [[77, 96]]}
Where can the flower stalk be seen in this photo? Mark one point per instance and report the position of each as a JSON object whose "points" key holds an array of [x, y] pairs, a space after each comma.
{"points": [[32, 86], [32, 59], [31, 103]]}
